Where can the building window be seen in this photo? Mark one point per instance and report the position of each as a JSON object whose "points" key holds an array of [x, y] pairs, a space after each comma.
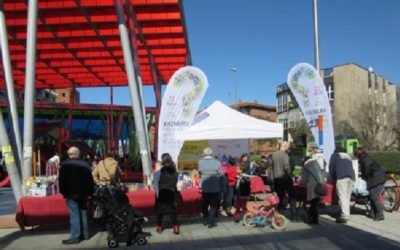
{"points": [[63, 94], [376, 83], [384, 86], [384, 99], [328, 72], [284, 122], [384, 119], [291, 125], [330, 92], [282, 102], [369, 80]]}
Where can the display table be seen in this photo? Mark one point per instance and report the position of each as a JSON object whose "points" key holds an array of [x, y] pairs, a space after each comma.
{"points": [[32, 211], [301, 194], [256, 185], [144, 200], [128, 176]]}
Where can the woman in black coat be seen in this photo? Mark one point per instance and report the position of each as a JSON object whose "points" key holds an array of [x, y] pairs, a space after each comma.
{"points": [[167, 192], [374, 175]]}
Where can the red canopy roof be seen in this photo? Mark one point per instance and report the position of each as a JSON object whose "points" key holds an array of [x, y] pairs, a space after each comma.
{"points": [[78, 42]]}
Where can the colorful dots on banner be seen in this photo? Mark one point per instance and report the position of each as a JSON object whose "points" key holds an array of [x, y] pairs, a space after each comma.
{"points": [[6, 149], [9, 159]]}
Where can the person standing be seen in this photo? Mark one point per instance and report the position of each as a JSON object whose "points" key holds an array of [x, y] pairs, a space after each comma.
{"points": [[210, 170], [231, 173], [341, 170], [166, 193], [107, 171], [245, 164], [243, 190], [374, 175], [76, 185], [283, 180], [312, 174]]}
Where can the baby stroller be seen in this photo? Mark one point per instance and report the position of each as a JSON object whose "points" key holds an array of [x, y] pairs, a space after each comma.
{"points": [[119, 217]]}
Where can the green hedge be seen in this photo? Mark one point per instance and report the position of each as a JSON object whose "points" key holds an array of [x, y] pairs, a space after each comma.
{"points": [[390, 160]]}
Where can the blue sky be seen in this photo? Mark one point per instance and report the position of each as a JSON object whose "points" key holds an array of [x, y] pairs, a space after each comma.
{"points": [[264, 39]]}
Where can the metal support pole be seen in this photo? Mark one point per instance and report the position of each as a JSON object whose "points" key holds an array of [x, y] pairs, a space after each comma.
{"points": [[157, 90], [132, 27], [135, 91], [118, 128], [71, 107], [10, 87], [234, 70], [112, 117], [316, 36], [62, 132], [29, 102], [108, 133], [10, 162]]}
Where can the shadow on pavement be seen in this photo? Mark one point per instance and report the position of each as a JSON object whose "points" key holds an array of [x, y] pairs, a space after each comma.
{"points": [[328, 235]]}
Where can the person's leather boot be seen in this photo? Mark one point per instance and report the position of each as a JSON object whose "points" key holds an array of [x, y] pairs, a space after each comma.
{"points": [[159, 229], [175, 229]]}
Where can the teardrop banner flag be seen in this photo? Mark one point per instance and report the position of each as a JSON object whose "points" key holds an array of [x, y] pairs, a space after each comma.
{"points": [[180, 103], [309, 90]]}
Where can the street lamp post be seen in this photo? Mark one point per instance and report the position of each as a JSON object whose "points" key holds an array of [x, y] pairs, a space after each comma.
{"points": [[316, 35], [233, 69]]}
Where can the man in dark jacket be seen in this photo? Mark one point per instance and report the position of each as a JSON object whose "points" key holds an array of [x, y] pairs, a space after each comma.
{"points": [[341, 170], [375, 177], [76, 185]]}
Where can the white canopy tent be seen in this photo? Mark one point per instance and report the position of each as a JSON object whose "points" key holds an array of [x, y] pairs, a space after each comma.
{"points": [[220, 122]]}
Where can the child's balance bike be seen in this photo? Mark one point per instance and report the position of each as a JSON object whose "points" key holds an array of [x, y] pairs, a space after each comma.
{"points": [[266, 215]]}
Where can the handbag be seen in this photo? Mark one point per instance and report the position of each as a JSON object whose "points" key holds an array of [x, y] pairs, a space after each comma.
{"points": [[98, 213], [115, 180], [320, 188]]}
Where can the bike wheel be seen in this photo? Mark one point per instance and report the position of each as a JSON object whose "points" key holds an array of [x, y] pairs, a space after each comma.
{"points": [[249, 219], [279, 221], [390, 199]]}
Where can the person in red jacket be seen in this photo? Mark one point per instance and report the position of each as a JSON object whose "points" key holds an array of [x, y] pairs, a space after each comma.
{"points": [[231, 174]]}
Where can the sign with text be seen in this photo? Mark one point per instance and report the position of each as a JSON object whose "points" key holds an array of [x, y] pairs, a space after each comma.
{"points": [[234, 148], [309, 90], [180, 103]]}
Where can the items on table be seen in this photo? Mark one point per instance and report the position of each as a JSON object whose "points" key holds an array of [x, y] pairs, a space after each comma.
{"points": [[40, 186], [132, 187], [184, 182]]}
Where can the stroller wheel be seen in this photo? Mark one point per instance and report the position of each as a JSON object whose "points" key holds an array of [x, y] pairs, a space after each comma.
{"points": [[141, 240], [113, 243]]}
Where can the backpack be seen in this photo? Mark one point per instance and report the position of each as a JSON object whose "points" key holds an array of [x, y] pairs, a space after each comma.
{"points": [[243, 186]]}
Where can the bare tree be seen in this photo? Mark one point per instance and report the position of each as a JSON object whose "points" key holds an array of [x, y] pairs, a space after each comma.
{"points": [[301, 130], [343, 127], [375, 125]]}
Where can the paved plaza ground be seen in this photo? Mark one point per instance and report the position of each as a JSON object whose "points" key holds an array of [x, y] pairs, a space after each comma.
{"points": [[7, 201], [359, 233]]}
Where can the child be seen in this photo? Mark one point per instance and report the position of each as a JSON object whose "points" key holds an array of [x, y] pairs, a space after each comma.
{"points": [[242, 194], [232, 174], [195, 176]]}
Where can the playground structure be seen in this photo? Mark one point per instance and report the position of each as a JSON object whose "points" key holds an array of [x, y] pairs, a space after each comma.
{"points": [[94, 129], [102, 43]]}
